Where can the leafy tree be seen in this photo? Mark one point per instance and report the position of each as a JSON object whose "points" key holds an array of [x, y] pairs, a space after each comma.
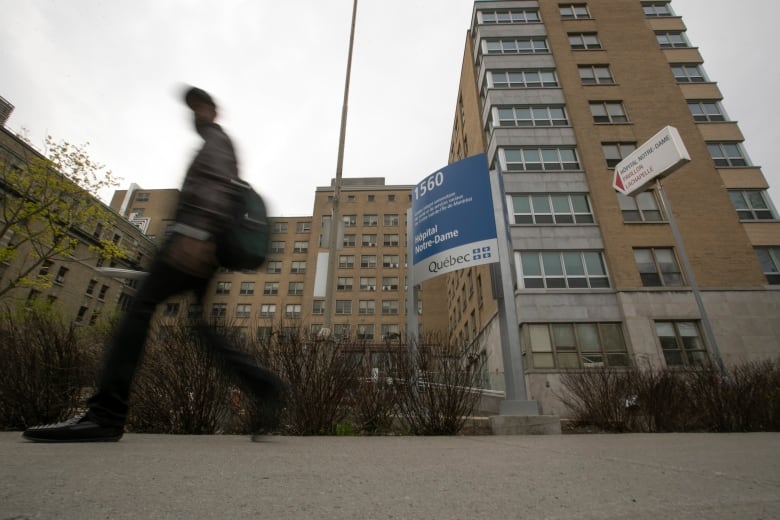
{"points": [[49, 206]]}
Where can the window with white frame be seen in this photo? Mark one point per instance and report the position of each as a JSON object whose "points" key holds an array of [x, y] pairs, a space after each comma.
{"points": [[349, 240], [727, 154], [298, 267], [218, 310], [390, 240], [346, 261], [672, 39], [584, 41], [682, 344], [752, 205], [223, 287], [389, 283], [706, 111], [277, 246], [367, 261], [574, 11], [551, 208], [343, 306], [267, 310], [616, 152], [576, 345], [528, 15], [246, 288], [279, 227], [274, 267], [608, 112], [390, 261], [390, 219], [264, 333], [527, 115], [688, 73], [368, 283], [302, 227], [344, 283], [300, 246], [370, 220], [658, 267], [292, 310], [349, 220], [295, 288], [595, 75], [271, 288], [243, 310], [539, 159], [368, 240], [769, 257], [640, 208], [562, 269], [656, 9], [342, 330], [530, 78], [318, 307], [528, 45], [389, 307], [365, 331], [366, 307]]}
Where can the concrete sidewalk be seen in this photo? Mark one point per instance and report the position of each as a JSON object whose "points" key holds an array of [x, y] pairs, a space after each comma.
{"points": [[671, 476]]}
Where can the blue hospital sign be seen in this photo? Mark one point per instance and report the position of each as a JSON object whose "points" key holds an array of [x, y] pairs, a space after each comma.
{"points": [[454, 223]]}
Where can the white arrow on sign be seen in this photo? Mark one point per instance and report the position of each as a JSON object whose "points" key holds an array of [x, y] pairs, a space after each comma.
{"points": [[657, 157]]}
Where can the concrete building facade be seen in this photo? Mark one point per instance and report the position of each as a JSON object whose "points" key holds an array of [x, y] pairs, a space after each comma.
{"points": [[557, 93]]}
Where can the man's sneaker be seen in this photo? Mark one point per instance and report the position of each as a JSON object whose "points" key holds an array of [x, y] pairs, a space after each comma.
{"points": [[79, 428]]}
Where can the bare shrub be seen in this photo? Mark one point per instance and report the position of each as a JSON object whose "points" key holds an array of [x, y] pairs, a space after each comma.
{"points": [[600, 397], [374, 400], [437, 386], [47, 366]]}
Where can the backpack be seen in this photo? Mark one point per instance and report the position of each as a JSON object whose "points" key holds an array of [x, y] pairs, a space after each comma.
{"points": [[246, 242]]}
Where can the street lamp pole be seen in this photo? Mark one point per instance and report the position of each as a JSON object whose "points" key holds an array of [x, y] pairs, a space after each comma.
{"points": [[335, 216]]}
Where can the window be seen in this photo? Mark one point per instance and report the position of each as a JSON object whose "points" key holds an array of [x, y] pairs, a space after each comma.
{"points": [[349, 240], [318, 307], [608, 112], [658, 267], [292, 310], [688, 73], [300, 247], [681, 343], [532, 78], [368, 283], [350, 198], [390, 331], [342, 330], [279, 227], [142, 197], [267, 310], [60, 278], [584, 41], [264, 333], [390, 240], [727, 154], [223, 287], [343, 306], [706, 111], [243, 310], [365, 331], [390, 261], [616, 152], [295, 288], [390, 219], [574, 11], [218, 310], [103, 291], [769, 257], [277, 246], [302, 227], [371, 198], [551, 208], [271, 288], [595, 75], [370, 220], [344, 283], [390, 307], [525, 116], [349, 220], [576, 345], [535, 45], [194, 310], [539, 159], [346, 261], [562, 269], [391, 197], [672, 40], [246, 288], [91, 287], [80, 315], [298, 267], [389, 283], [751, 205], [94, 318], [368, 261], [653, 9], [512, 16], [640, 208], [366, 307], [368, 240]]}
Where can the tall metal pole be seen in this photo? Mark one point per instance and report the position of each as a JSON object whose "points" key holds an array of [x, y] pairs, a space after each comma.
{"points": [[335, 216]]}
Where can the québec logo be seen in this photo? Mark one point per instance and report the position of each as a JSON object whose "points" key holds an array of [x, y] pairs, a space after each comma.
{"points": [[481, 252]]}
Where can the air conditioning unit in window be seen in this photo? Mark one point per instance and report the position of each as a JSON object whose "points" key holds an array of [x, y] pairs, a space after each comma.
{"points": [[372, 287], [385, 287]]}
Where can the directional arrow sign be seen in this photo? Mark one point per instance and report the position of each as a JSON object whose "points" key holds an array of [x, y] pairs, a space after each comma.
{"points": [[657, 157]]}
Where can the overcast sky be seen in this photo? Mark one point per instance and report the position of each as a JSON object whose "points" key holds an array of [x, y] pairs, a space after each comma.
{"points": [[110, 72]]}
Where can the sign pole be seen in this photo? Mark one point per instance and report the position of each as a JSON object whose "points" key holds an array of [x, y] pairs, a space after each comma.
{"points": [[705, 320]]}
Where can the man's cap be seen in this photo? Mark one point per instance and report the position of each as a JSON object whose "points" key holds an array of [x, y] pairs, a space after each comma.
{"points": [[196, 95]]}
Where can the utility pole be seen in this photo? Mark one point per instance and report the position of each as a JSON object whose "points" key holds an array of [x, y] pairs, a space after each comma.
{"points": [[335, 225]]}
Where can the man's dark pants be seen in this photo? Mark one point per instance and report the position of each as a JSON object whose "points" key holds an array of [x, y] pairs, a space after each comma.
{"points": [[109, 405]]}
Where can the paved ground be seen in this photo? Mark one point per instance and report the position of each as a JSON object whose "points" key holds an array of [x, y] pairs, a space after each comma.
{"points": [[672, 476]]}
